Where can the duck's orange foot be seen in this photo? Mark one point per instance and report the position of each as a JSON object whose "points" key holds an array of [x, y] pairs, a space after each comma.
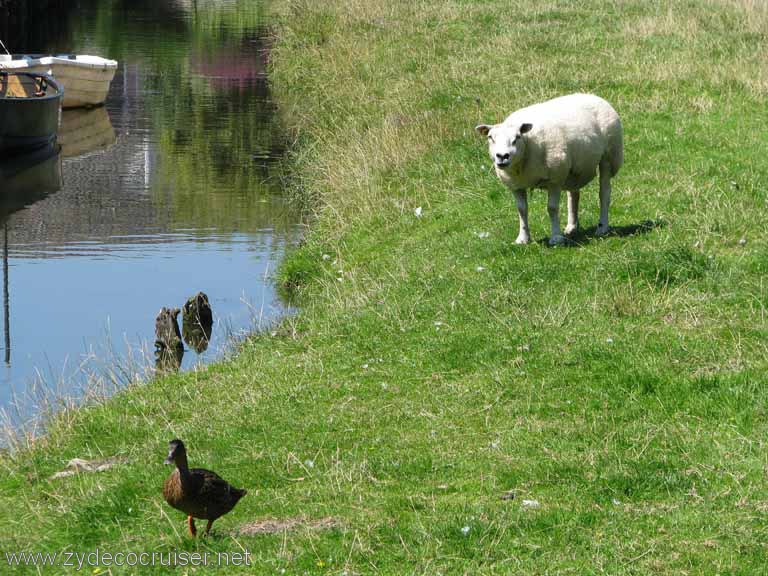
{"points": [[192, 529]]}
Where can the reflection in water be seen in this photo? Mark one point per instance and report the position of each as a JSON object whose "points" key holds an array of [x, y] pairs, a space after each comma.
{"points": [[85, 130], [166, 190], [24, 179], [6, 300], [28, 177], [34, 26], [197, 337]]}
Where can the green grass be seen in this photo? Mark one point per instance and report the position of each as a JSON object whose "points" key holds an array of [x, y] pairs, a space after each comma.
{"points": [[434, 365]]}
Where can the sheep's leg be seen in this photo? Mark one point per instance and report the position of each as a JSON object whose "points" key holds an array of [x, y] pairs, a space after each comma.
{"points": [[521, 199], [605, 197], [573, 212], [553, 208]]}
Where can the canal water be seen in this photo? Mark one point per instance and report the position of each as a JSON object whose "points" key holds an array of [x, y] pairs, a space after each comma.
{"points": [[164, 192]]}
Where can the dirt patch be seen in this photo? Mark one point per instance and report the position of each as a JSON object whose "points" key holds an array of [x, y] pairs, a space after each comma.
{"points": [[278, 525]]}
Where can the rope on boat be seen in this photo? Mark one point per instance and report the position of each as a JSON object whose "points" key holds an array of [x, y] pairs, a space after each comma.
{"points": [[43, 87]]}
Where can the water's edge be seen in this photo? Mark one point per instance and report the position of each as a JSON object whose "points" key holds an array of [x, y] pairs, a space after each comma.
{"points": [[119, 376]]}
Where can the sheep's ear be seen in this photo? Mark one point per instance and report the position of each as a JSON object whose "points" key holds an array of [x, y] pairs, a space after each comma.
{"points": [[483, 129], [525, 128]]}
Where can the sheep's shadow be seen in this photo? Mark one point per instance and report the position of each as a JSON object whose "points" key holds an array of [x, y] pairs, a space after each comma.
{"points": [[588, 235]]}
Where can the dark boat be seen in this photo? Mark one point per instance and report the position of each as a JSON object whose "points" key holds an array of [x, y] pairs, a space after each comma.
{"points": [[30, 105]]}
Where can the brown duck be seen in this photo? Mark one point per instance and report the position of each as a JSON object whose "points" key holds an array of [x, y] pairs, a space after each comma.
{"points": [[197, 492]]}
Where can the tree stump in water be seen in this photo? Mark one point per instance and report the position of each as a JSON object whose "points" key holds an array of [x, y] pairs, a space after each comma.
{"points": [[197, 322], [167, 334], [169, 349], [168, 359]]}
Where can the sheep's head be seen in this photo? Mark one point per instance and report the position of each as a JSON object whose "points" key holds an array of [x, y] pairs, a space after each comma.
{"points": [[505, 142]]}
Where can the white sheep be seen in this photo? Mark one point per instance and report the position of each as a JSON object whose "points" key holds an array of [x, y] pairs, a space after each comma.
{"points": [[553, 145]]}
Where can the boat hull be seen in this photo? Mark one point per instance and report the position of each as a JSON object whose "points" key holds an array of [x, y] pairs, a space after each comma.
{"points": [[85, 79], [27, 122]]}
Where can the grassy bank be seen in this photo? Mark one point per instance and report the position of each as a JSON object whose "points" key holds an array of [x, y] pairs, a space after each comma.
{"points": [[616, 388]]}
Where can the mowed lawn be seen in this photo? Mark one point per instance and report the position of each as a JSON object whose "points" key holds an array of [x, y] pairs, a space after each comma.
{"points": [[446, 402]]}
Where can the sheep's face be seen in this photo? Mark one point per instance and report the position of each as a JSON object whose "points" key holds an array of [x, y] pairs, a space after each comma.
{"points": [[505, 143]]}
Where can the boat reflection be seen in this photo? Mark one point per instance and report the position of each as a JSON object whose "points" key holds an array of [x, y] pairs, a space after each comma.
{"points": [[29, 177], [24, 179], [85, 130]]}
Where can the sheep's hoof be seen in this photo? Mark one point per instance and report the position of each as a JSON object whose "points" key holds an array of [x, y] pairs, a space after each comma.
{"points": [[523, 239], [602, 230], [571, 230], [558, 240]]}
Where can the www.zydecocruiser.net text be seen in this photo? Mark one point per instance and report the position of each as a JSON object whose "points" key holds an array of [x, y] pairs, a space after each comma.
{"points": [[103, 559]]}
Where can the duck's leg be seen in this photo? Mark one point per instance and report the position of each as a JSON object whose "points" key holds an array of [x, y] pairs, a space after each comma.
{"points": [[208, 527], [192, 529]]}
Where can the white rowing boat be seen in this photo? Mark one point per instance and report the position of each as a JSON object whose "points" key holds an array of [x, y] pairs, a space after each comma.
{"points": [[85, 79]]}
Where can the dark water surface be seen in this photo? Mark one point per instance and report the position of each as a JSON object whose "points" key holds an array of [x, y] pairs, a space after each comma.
{"points": [[165, 192]]}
